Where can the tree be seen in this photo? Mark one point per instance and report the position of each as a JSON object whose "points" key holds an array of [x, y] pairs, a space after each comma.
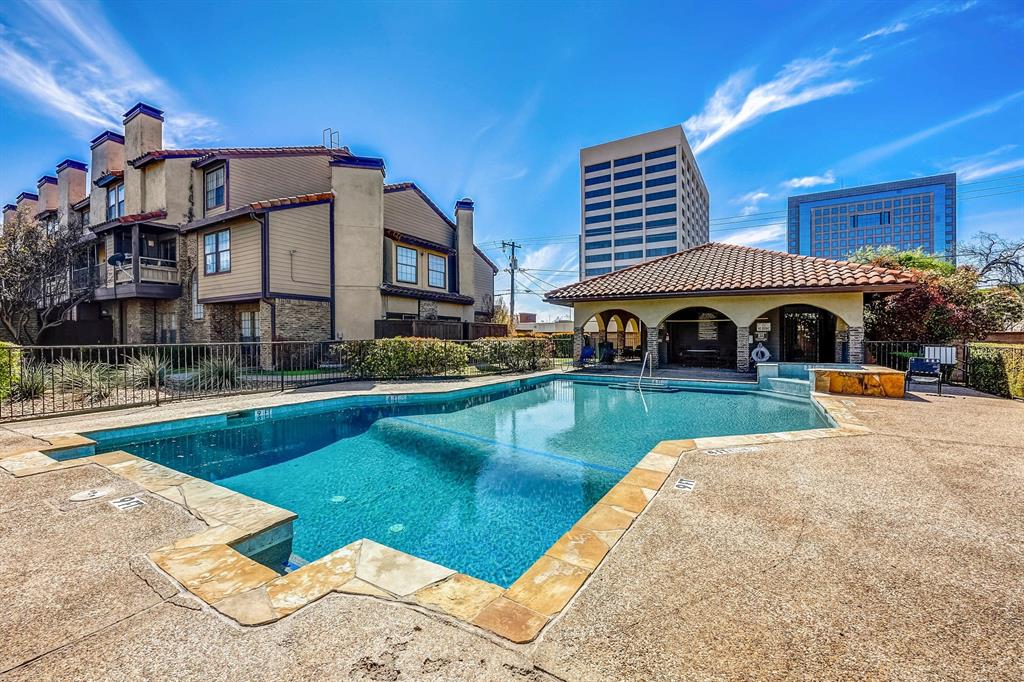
{"points": [[37, 284], [947, 304], [501, 315], [999, 261], [892, 258]]}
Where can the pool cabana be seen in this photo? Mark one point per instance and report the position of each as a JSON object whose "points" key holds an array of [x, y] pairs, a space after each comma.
{"points": [[711, 305]]}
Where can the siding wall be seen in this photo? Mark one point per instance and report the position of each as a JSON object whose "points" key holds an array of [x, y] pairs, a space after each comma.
{"points": [[306, 231], [484, 285], [246, 268], [407, 212], [421, 268], [272, 177]]}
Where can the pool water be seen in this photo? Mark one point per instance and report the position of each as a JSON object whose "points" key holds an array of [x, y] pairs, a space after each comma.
{"points": [[483, 484]]}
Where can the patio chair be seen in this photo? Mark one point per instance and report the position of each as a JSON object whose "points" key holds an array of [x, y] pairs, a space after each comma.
{"points": [[924, 371], [586, 357]]}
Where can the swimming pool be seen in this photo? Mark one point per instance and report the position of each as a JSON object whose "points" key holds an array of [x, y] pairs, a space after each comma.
{"points": [[481, 481]]}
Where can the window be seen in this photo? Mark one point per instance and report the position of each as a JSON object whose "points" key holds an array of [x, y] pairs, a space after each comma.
{"points": [[666, 194], [603, 192], [661, 252], [662, 222], [602, 218], [215, 187], [656, 167], [621, 175], [627, 161], [198, 311], [626, 201], [167, 327], [665, 237], [597, 205], [625, 255], [437, 275], [628, 227], [657, 182], [249, 327], [599, 180], [627, 187], [602, 244], [669, 151], [115, 201], [407, 265], [597, 271], [598, 166], [598, 258], [665, 208], [629, 241], [629, 214], [598, 231], [217, 252]]}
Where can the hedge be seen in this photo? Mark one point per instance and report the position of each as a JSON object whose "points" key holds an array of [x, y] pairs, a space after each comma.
{"points": [[10, 367], [513, 354], [998, 370], [403, 357]]}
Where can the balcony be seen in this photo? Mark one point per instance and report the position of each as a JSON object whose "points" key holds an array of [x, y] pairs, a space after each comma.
{"points": [[151, 270]]}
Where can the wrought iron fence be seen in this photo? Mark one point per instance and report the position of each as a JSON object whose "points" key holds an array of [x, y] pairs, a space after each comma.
{"points": [[989, 367], [37, 381]]}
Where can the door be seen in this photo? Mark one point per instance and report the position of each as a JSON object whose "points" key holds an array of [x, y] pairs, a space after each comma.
{"points": [[808, 334]]}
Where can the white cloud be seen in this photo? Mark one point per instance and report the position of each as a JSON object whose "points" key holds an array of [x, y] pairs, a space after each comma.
{"points": [[752, 201], [756, 236], [67, 59], [889, 29], [888, 149], [738, 103], [828, 178], [988, 164]]}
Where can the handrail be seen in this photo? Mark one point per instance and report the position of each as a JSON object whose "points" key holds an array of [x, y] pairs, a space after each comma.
{"points": [[639, 381]]}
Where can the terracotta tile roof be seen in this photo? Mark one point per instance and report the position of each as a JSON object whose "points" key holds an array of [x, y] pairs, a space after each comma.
{"points": [[140, 217], [296, 200], [728, 268], [202, 154]]}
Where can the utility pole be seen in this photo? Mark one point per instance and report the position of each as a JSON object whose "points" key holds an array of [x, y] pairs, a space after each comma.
{"points": [[513, 265]]}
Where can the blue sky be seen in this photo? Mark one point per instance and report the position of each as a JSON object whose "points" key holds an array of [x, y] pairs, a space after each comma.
{"points": [[493, 101]]}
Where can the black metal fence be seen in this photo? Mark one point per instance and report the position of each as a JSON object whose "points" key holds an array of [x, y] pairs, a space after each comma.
{"points": [[989, 367], [37, 381]]}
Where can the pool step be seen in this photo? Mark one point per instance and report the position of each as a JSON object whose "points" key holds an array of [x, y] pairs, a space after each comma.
{"points": [[787, 386], [649, 386]]}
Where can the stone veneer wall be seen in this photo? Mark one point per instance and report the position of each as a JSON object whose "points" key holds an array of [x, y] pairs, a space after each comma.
{"points": [[302, 320]]}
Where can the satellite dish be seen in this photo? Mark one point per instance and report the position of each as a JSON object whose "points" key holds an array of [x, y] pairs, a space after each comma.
{"points": [[116, 259]]}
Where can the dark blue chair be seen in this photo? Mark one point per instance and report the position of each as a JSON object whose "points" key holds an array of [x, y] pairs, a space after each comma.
{"points": [[924, 371], [586, 357]]}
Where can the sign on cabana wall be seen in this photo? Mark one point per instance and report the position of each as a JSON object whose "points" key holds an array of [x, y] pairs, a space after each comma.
{"points": [[707, 328]]}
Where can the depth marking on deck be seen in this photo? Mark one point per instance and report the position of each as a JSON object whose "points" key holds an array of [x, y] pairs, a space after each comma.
{"points": [[127, 503], [736, 450], [685, 484]]}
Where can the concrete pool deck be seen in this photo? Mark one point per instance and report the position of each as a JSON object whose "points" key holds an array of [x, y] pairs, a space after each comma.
{"points": [[895, 553]]}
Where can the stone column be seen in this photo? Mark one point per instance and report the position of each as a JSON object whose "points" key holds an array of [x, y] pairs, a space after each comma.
{"points": [[652, 345], [620, 340], [856, 340], [742, 349], [577, 342], [842, 336]]}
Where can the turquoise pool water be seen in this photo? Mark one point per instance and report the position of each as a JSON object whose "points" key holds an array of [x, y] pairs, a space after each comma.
{"points": [[482, 482]]}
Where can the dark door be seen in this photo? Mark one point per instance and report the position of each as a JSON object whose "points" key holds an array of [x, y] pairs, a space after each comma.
{"points": [[808, 334]]}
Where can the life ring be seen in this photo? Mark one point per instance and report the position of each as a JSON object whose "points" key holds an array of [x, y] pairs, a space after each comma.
{"points": [[760, 354]]}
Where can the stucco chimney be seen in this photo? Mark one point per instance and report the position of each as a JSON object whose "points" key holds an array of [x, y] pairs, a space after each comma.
{"points": [[28, 201], [466, 255], [71, 185], [143, 133], [107, 157], [358, 239], [47, 186], [9, 211]]}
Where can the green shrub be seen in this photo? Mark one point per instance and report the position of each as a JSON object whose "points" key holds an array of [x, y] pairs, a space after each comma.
{"points": [[91, 382], [513, 354], [32, 383], [145, 372], [404, 357], [215, 374], [998, 370], [10, 367]]}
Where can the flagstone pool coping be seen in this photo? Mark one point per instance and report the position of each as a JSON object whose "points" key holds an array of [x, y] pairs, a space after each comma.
{"points": [[213, 564]]}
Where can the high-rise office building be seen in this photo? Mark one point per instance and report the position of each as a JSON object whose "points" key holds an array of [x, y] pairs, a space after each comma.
{"points": [[906, 214], [641, 197]]}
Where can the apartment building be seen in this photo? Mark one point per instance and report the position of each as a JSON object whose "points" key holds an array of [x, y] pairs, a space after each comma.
{"points": [[908, 214], [284, 243], [640, 198]]}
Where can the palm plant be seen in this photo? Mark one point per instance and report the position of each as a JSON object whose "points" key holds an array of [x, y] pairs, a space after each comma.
{"points": [[91, 382], [32, 382], [216, 374], [145, 371]]}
